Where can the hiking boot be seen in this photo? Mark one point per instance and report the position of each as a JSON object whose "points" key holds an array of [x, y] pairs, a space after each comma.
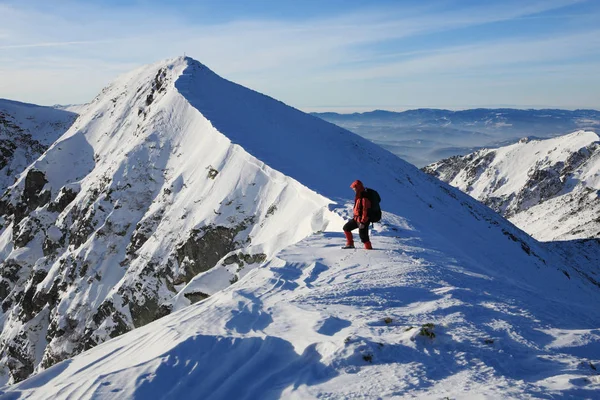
{"points": [[368, 246], [349, 246]]}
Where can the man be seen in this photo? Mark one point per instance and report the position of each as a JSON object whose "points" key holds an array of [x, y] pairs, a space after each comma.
{"points": [[361, 218]]}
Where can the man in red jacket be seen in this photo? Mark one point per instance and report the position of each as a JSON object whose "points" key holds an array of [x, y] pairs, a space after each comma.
{"points": [[361, 217]]}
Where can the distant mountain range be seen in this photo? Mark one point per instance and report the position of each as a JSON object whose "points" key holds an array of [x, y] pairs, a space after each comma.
{"points": [[423, 136]]}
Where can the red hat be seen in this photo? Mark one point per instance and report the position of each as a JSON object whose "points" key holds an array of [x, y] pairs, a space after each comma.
{"points": [[358, 185]]}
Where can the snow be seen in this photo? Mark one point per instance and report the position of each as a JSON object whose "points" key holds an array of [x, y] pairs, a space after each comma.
{"points": [[26, 130], [45, 124], [511, 316], [549, 188], [74, 108], [135, 164], [566, 217], [311, 323], [513, 164]]}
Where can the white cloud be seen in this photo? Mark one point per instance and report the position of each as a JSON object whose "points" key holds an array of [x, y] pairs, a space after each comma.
{"points": [[491, 56]]}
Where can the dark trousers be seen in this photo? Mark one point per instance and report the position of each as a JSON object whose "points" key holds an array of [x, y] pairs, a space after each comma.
{"points": [[363, 233]]}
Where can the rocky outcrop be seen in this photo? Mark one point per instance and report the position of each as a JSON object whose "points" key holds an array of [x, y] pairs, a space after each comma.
{"points": [[206, 246]]}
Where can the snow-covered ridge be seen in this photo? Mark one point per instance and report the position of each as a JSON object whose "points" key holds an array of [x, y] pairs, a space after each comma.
{"points": [[176, 183], [546, 187], [26, 131]]}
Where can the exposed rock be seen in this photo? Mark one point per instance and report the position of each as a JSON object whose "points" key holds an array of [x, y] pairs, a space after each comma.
{"points": [[64, 198], [195, 297], [32, 192], [29, 307], [9, 269], [143, 230], [206, 246], [158, 85], [4, 289], [473, 165], [107, 316], [241, 258], [212, 172], [83, 226], [55, 239], [51, 297], [543, 184], [25, 231], [7, 150], [149, 311], [20, 361]]}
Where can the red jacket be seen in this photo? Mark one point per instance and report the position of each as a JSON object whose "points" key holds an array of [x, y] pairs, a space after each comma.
{"points": [[361, 203]]}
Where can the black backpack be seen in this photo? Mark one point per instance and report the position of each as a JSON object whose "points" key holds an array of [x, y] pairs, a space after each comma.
{"points": [[374, 212]]}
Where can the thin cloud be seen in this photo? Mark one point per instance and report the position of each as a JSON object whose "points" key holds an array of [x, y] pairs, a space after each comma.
{"points": [[491, 54], [53, 44]]}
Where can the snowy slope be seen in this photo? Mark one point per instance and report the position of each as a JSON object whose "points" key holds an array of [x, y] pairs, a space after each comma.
{"points": [[26, 131], [548, 188], [74, 108], [319, 322], [176, 183]]}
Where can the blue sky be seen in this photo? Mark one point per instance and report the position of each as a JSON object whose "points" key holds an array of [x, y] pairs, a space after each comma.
{"points": [[341, 55]]}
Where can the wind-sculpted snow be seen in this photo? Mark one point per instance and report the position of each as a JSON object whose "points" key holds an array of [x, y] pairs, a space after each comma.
{"points": [[185, 184], [548, 188], [405, 320]]}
